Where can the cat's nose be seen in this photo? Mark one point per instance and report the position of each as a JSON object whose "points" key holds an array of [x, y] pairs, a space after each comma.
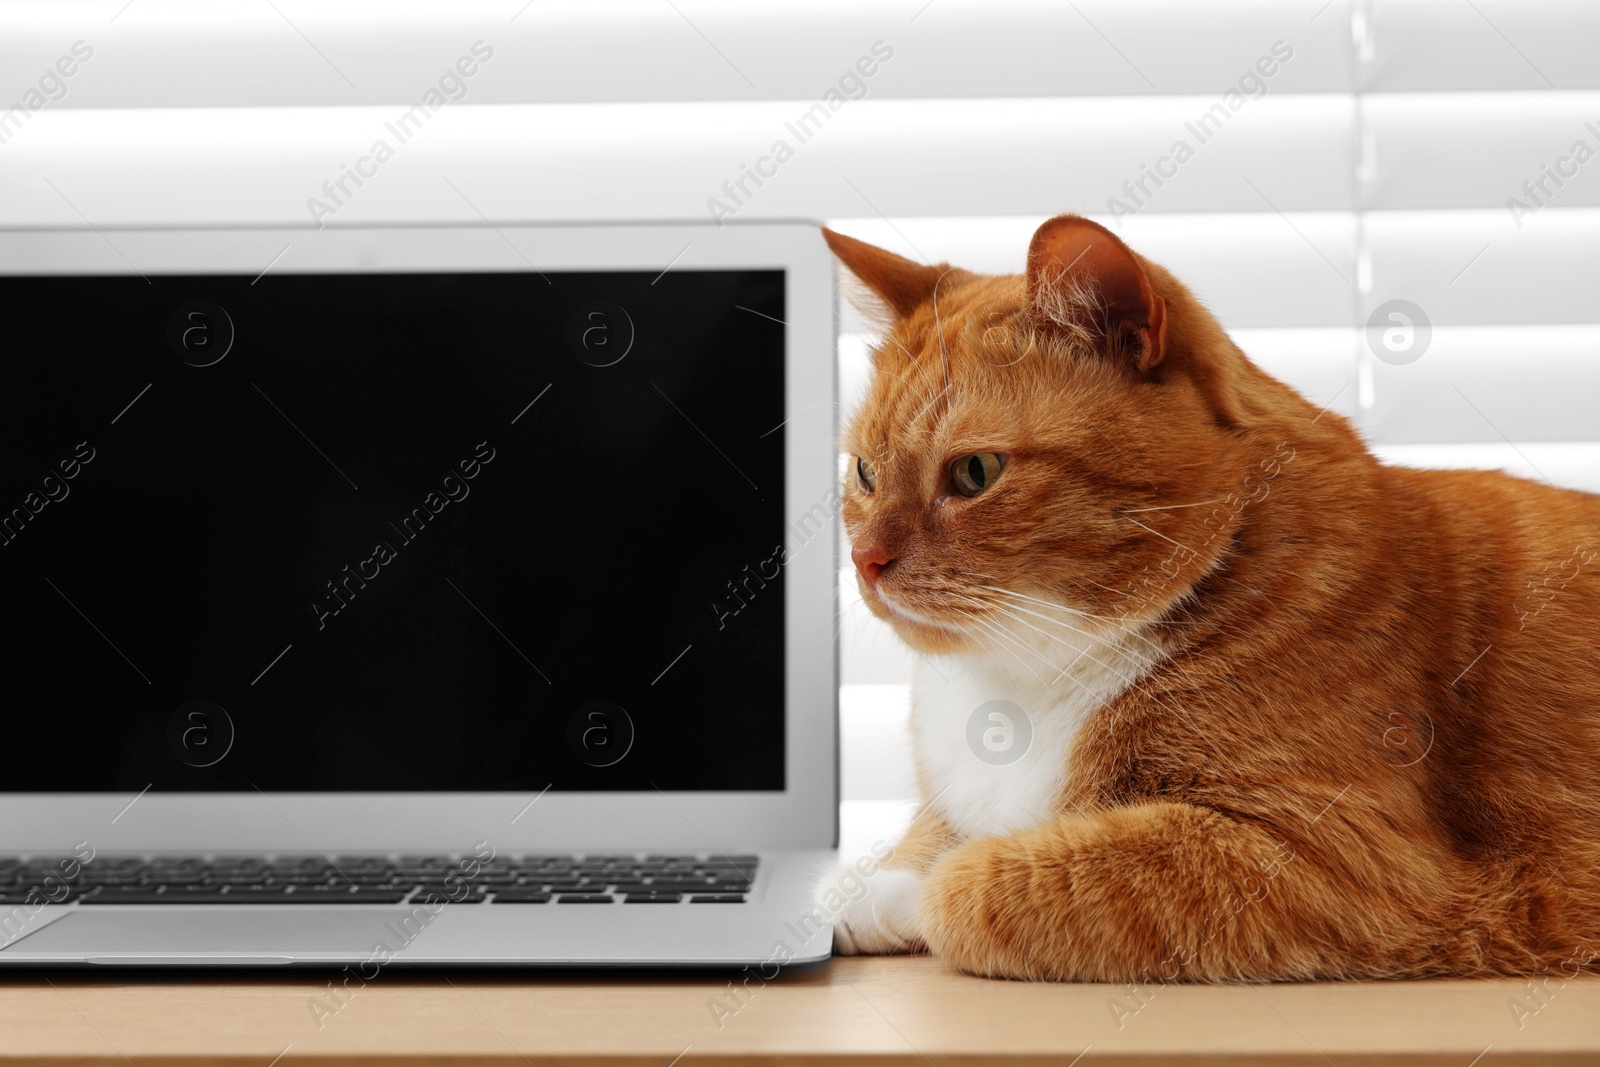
{"points": [[870, 560]]}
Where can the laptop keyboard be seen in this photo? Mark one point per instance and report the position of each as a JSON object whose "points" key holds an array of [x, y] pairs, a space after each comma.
{"points": [[530, 879]]}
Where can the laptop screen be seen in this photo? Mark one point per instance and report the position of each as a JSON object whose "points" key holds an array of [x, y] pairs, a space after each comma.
{"points": [[394, 532]]}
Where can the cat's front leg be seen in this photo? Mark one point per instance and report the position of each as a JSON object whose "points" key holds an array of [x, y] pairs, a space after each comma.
{"points": [[1167, 891], [873, 901]]}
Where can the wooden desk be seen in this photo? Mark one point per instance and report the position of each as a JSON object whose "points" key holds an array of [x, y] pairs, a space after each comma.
{"points": [[886, 1011]]}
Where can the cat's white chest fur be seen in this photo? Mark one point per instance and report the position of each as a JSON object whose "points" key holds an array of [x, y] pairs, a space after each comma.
{"points": [[993, 732]]}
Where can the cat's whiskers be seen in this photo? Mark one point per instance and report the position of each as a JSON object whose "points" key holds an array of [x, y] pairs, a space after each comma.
{"points": [[1048, 603], [1132, 682], [1067, 626], [1098, 585], [1064, 608], [988, 631], [992, 630], [1163, 536], [1012, 643], [1113, 623], [1083, 653], [1171, 507], [1153, 648], [1144, 688], [1002, 637], [1127, 595], [1061, 671], [995, 628], [1156, 650]]}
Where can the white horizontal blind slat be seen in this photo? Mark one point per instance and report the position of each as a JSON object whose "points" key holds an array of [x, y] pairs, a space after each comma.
{"points": [[1491, 383], [640, 161], [1472, 267], [1288, 153], [179, 53], [1485, 44], [182, 53], [1476, 150]]}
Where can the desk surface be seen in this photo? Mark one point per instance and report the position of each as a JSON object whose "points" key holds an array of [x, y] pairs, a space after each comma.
{"points": [[885, 1012], [882, 1011]]}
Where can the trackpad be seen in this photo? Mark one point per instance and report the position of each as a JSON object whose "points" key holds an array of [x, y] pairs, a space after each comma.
{"points": [[177, 931]]}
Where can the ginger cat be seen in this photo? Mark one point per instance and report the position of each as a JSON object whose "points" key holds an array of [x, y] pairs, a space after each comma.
{"points": [[1283, 712]]}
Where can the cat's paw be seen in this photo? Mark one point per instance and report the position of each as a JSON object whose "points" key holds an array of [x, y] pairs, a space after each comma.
{"points": [[986, 910], [872, 915]]}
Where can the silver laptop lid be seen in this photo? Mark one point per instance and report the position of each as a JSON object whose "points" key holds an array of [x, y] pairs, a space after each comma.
{"points": [[408, 538]]}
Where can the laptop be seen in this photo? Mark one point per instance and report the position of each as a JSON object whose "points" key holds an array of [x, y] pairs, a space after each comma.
{"points": [[418, 596]]}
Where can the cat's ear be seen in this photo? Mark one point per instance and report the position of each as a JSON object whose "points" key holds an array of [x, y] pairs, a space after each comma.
{"points": [[902, 285], [1083, 279]]}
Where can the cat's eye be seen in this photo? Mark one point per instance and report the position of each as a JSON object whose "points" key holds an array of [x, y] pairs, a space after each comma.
{"points": [[974, 473], [866, 475]]}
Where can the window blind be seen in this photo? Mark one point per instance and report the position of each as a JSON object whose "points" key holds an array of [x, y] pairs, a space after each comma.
{"points": [[1336, 156]]}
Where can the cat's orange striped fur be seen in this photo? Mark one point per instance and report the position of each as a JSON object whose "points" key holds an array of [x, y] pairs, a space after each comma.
{"points": [[1295, 714]]}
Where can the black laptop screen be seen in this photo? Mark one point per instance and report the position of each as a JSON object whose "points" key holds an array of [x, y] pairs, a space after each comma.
{"points": [[406, 532]]}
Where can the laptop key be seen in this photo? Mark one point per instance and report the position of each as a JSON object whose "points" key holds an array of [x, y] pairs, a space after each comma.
{"points": [[717, 898], [184, 895], [434, 894], [662, 887], [584, 898], [147, 897], [244, 894], [333, 894], [653, 898], [175, 878], [31, 897], [521, 896]]}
